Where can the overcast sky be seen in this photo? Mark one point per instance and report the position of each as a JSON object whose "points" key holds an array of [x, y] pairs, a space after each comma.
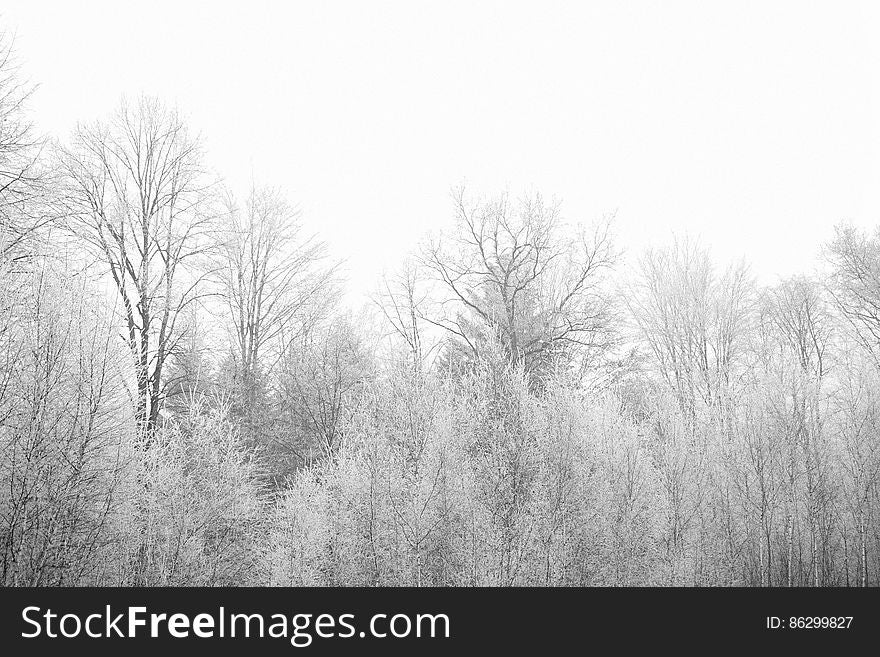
{"points": [[752, 124]]}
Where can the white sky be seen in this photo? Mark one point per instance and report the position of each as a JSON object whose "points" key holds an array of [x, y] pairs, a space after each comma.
{"points": [[754, 125]]}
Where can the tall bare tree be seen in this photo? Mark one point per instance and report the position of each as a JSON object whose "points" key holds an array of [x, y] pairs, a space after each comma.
{"points": [[798, 324], [855, 283], [510, 269], [321, 373], [139, 196], [694, 322], [402, 299], [275, 283], [22, 209]]}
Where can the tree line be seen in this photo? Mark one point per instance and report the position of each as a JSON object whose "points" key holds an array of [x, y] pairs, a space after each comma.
{"points": [[186, 398]]}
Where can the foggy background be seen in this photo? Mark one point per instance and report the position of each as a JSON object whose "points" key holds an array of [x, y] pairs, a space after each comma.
{"points": [[752, 125]]}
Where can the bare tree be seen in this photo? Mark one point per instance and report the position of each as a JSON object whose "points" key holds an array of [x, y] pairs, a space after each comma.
{"points": [[274, 278], [509, 268], [275, 284], [403, 300], [64, 433], [320, 374], [799, 326], [798, 313], [138, 196], [858, 457], [694, 323], [855, 283], [22, 209]]}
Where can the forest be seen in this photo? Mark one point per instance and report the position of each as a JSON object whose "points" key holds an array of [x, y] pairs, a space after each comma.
{"points": [[188, 397]]}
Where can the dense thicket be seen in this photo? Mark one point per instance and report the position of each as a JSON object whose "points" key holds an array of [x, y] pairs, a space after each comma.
{"points": [[186, 400]]}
